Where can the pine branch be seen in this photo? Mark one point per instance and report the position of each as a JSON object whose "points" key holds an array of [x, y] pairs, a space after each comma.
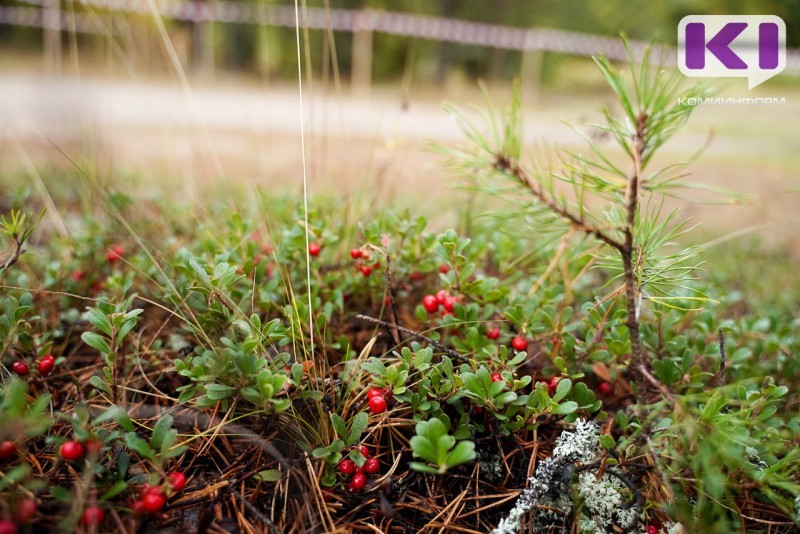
{"points": [[512, 168]]}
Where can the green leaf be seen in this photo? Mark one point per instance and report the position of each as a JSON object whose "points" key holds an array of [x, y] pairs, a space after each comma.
{"points": [[463, 453], [99, 383], [357, 426], [96, 341], [562, 389], [269, 475], [338, 425], [114, 490], [566, 408], [607, 442], [99, 320], [139, 446], [423, 468], [160, 430], [322, 452], [14, 476], [506, 398], [423, 448], [61, 494]]}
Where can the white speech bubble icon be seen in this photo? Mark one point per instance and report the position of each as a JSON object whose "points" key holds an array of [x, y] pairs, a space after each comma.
{"points": [[732, 46]]}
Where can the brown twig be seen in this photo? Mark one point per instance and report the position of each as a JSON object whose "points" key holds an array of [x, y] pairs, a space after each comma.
{"points": [[392, 306], [18, 251], [431, 341]]}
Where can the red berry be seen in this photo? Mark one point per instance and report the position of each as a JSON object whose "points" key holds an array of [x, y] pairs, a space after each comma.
{"points": [[358, 482], [137, 507], [154, 501], [553, 384], [377, 405], [115, 254], [7, 450], [347, 467], [372, 466], [26, 509], [430, 303], [497, 377], [444, 269], [72, 450], [605, 388], [374, 392], [376, 265], [355, 253], [651, 529], [519, 343], [21, 368], [363, 450], [327, 495], [366, 270], [494, 333], [416, 275], [7, 527], [450, 303], [46, 365], [441, 296], [93, 446], [77, 275], [93, 516], [314, 249], [177, 480]]}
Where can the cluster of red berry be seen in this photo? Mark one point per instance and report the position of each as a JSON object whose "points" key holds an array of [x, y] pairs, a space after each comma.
{"points": [[442, 298], [378, 399], [551, 384], [23, 513], [115, 254], [153, 498], [45, 366], [364, 262], [348, 467]]}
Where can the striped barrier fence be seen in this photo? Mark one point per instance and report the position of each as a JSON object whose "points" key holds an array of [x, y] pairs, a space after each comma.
{"points": [[389, 22]]}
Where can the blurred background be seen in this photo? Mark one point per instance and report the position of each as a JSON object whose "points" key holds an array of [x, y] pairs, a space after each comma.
{"points": [[155, 97]]}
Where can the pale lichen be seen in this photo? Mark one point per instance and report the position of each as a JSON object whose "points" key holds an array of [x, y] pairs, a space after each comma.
{"points": [[604, 500]]}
